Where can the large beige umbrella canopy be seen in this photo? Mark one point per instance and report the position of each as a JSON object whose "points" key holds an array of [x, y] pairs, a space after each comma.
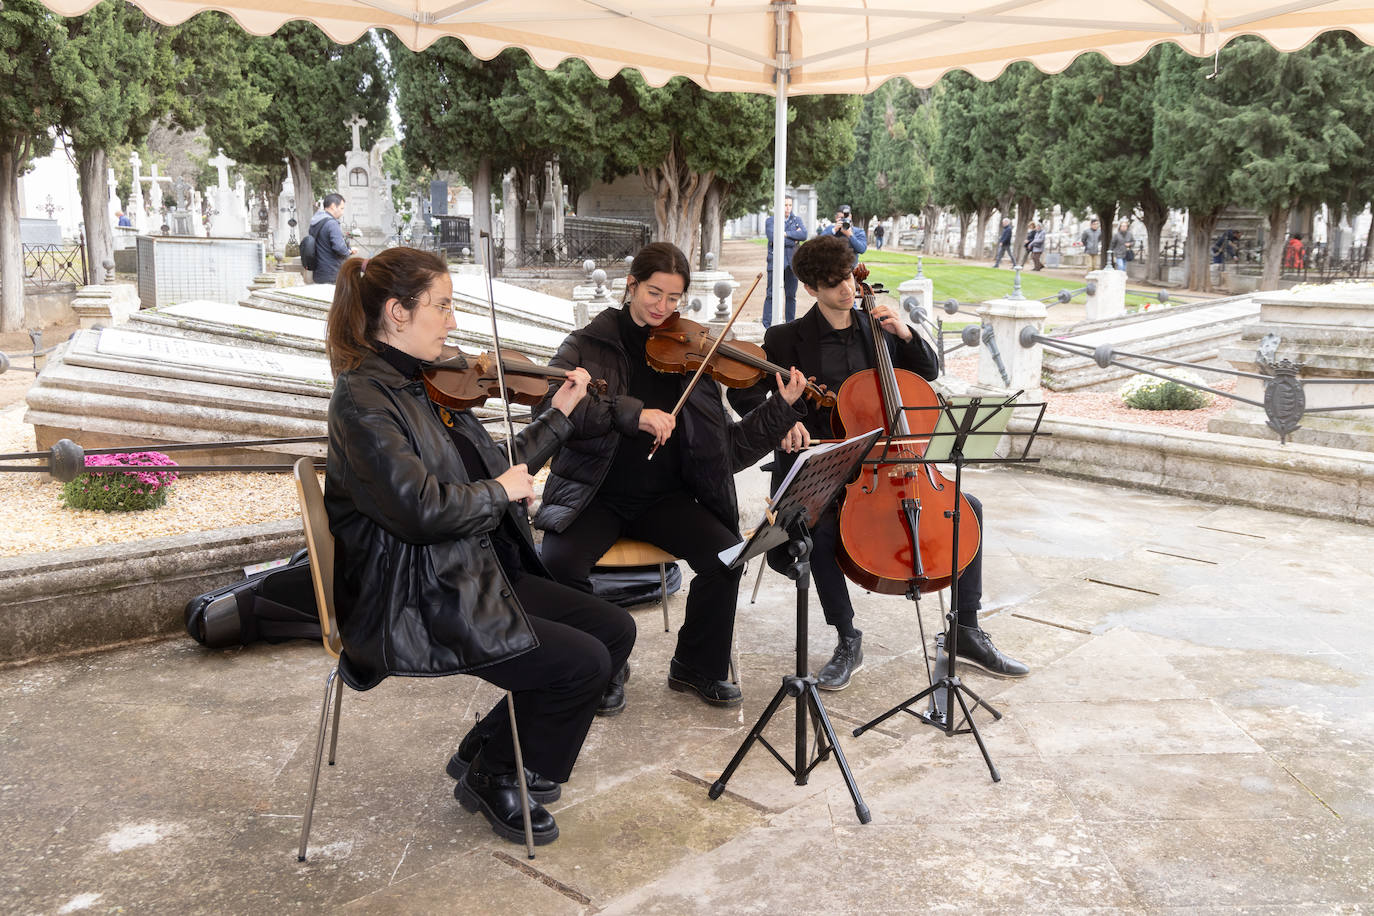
{"points": [[835, 45], [798, 46]]}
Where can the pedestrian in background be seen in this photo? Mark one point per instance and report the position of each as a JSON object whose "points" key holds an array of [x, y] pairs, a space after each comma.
{"points": [[1004, 245]]}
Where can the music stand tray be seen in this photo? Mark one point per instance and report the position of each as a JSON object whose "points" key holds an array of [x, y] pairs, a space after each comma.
{"points": [[814, 482]]}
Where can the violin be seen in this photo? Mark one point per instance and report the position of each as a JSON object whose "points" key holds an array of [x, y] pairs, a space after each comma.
{"points": [[882, 506], [681, 345], [459, 381]]}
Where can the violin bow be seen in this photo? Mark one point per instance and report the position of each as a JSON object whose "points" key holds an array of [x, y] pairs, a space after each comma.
{"points": [[496, 345], [706, 361]]}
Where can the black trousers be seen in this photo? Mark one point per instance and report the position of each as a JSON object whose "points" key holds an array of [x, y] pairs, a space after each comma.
{"points": [[832, 588], [582, 640], [686, 529]]}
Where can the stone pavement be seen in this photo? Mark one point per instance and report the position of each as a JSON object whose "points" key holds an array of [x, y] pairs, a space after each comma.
{"points": [[1197, 735]]}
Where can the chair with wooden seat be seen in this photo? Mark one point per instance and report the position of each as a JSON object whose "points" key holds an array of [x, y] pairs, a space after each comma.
{"points": [[320, 542], [629, 552]]}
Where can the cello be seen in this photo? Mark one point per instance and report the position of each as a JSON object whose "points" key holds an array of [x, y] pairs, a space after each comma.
{"points": [[894, 495]]}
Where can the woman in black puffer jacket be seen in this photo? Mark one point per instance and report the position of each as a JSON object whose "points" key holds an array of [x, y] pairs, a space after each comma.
{"points": [[602, 484], [435, 571]]}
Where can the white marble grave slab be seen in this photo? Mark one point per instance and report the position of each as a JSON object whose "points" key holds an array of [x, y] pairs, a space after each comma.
{"points": [[240, 361], [471, 288], [1170, 322], [251, 319]]}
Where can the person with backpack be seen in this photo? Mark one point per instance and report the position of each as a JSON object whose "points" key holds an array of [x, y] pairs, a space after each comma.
{"points": [[326, 235], [435, 571]]}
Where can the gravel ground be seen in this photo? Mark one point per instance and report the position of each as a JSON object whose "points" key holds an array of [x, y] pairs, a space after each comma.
{"points": [[33, 519]]}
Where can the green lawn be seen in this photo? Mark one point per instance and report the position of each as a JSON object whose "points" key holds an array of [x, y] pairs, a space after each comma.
{"points": [[967, 282]]}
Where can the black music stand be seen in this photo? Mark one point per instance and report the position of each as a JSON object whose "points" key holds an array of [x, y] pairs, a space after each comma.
{"points": [[814, 482], [967, 432]]}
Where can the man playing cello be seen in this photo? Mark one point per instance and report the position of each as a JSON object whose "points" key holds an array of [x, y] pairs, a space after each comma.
{"points": [[829, 344]]}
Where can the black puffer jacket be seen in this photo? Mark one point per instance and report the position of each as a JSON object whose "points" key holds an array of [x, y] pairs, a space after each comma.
{"points": [[418, 588], [714, 447]]}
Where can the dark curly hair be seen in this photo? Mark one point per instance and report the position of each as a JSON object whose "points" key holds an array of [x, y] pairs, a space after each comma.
{"points": [[823, 261]]}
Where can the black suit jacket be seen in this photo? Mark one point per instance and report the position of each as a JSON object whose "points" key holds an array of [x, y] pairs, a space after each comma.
{"points": [[798, 343]]}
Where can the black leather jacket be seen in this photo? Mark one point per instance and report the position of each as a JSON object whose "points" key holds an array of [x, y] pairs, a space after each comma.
{"points": [[714, 447], [418, 589]]}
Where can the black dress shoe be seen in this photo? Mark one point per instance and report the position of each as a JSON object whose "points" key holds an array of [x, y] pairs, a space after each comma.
{"points": [[497, 797], [848, 658], [613, 700], [544, 791], [976, 648], [717, 693]]}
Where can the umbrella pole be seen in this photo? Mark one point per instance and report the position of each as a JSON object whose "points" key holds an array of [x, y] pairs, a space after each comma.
{"points": [[784, 68]]}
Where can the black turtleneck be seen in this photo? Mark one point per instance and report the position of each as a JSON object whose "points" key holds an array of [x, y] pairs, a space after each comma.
{"points": [[634, 482], [505, 539]]}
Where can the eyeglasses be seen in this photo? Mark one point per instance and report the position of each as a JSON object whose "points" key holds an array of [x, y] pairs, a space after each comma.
{"points": [[445, 309]]}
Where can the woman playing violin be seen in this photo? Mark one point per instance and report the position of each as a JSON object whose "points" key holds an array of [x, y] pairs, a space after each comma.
{"points": [[603, 484], [829, 343], [435, 571]]}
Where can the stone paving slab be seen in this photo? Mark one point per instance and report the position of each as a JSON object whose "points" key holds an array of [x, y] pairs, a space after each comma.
{"points": [[1198, 741]]}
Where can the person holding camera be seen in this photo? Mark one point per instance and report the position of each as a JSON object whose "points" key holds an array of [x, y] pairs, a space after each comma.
{"points": [[844, 226]]}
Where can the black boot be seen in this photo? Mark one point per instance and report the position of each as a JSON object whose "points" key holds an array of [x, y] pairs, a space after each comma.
{"points": [[497, 797], [613, 700], [848, 658], [544, 791], [717, 693], [976, 648]]}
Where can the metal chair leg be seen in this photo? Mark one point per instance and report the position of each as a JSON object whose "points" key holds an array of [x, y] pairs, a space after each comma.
{"points": [[663, 599], [758, 580], [520, 774], [338, 708], [329, 683]]}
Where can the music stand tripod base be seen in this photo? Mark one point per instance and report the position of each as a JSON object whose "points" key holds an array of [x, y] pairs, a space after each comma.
{"points": [[967, 426], [814, 482]]}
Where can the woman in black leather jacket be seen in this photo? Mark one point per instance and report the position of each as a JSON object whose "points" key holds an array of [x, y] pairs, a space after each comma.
{"points": [[435, 571], [602, 485]]}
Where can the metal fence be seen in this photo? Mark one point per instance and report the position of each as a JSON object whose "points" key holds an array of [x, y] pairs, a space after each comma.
{"points": [[49, 265], [583, 238], [452, 234]]}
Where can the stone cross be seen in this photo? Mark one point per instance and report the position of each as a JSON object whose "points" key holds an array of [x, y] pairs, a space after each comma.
{"points": [[222, 163], [155, 188], [137, 163], [356, 123]]}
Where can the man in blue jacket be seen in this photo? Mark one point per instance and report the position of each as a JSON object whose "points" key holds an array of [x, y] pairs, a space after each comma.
{"points": [[330, 248], [793, 231], [844, 227]]}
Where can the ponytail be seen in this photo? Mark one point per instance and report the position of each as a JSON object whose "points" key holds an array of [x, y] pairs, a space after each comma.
{"points": [[362, 288]]}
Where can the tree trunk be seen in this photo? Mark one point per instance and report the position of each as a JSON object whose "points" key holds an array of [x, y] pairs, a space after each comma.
{"points": [[93, 181], [965, 218], [1154, 215], [1273, 246], [712, 229], [679, 193], [481, 210], [13, 154], [1200, 229], [305, 194], [1106, 220], [931, 215], [1023, 218], [981, 239]]}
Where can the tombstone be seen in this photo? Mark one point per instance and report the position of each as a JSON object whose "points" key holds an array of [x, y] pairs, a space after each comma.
{"points": [[226, 220], [370, 214], [155, 182], [197, 214], [286, 211], [463, 205], [112, 205], [135, 211]]}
